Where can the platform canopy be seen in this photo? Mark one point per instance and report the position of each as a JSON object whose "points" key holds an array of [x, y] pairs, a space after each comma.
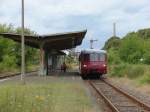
{"points": [[59, 41]]}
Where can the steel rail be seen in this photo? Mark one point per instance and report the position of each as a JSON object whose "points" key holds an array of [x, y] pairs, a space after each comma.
{"points": [[134, 99], [12, 75], [105, 98]]}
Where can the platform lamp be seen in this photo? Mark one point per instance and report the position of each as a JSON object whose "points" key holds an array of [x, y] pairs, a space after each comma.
{"points": [[22, 43]]}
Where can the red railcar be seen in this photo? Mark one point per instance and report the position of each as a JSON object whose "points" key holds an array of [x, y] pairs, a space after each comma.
{"points": [[92, 63]]}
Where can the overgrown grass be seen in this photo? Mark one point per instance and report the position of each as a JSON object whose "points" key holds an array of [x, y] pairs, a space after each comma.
{"points": [[32, 67], [11, 70], [4, 69], [140, 72], [145, 79], [54, 97]]}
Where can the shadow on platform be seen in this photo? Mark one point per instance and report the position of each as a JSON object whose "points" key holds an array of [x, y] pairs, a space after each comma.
{"points": [[66, 74]]}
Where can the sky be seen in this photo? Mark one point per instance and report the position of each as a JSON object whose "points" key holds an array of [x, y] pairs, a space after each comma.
{"points": [[97, 16]]}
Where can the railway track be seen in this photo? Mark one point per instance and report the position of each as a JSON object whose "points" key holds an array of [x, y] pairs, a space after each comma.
{"points": [[117, 99], [12, 75]]}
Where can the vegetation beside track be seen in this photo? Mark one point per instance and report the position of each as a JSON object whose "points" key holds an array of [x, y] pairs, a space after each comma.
{"points": [[71, 61], [57, 96], [16, 71], [130, 56], [138, 73], [10, 51]]}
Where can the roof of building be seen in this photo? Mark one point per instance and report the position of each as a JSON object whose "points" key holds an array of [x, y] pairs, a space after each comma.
{"points": [[57, 52], [59, 41]]}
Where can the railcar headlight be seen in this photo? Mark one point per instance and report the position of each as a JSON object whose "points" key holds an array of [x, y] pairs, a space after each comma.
{"points": [[84, 65], [104, 65]]}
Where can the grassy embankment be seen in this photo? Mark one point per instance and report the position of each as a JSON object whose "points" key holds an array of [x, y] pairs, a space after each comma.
{"points": [[8, 71], [139, 73], [52, 97]]}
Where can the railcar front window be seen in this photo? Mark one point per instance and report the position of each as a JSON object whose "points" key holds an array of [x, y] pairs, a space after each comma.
{"points": [[97, 57], [86, 57]]}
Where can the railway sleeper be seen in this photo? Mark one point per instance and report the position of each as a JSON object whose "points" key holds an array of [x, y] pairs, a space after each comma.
{"points": [[129, 109]]}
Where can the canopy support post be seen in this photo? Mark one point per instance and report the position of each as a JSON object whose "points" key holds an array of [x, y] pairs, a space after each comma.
{"points": [[46, 61], [42, 71]]}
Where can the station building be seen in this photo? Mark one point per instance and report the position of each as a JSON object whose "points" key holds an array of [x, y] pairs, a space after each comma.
{"points": [[51, 46]]}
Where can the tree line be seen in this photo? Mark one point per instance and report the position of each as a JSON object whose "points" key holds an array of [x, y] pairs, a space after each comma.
{"points": [[134, 48], [10, 51]]}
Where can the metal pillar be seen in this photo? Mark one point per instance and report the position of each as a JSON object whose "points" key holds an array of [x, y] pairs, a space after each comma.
{"points": [[114, 29], [22, 45]]}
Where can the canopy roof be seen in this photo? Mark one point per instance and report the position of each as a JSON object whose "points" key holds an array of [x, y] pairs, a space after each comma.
{"points": [[93, 51], [57, 52], [59, 41]]}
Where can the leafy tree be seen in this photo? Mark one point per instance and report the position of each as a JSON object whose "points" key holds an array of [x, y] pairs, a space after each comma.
{"points": [[70, 59], [113, 56], [131, 50], [144, 33], [6, 28], [146, 48], [10, 51], [113, 42], [31, 54]]}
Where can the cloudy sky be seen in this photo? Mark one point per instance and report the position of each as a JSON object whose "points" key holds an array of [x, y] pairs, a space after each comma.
{"points": [[97, 16]]}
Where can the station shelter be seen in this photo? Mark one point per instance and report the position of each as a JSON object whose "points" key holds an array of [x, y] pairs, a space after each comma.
{"points": [[55, 60], [51, 46]]}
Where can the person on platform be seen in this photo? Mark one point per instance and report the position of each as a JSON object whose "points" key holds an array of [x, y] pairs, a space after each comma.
{"points": [[63, 67]]}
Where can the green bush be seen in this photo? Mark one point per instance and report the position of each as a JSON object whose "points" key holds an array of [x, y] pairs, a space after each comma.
{"points": [[147, 58], [131, 50], [117, 70], [8, 64], [113, 57], [127, 70]]}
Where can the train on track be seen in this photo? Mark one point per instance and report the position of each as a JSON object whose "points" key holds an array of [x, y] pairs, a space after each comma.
{"points": [[92, 62]]}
